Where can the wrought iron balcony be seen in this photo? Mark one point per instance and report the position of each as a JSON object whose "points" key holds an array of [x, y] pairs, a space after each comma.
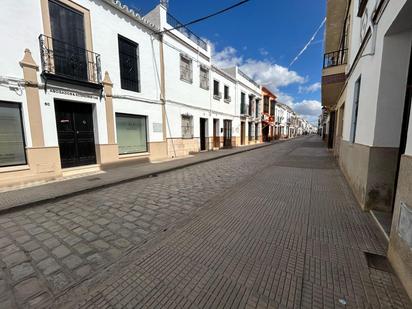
{"points": [[172, 21], [66, 62], [335, 58]]}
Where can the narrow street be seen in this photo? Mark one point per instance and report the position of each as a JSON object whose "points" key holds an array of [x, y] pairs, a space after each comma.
{"points": [[273, 227]]}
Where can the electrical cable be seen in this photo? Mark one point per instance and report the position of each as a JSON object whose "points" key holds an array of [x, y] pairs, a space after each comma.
{"points": [[206, 17]]}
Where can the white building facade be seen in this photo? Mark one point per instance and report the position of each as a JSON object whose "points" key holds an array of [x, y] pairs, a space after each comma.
{"points": [[78, 94], [67, 97], [369, 123]]}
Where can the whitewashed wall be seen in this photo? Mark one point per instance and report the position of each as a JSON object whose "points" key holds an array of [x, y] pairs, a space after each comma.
{"points": [[24, 35], [105, 42], [380, 84]]}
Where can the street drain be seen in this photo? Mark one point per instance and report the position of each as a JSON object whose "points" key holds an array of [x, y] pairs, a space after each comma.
{"points": [[378, 262]]}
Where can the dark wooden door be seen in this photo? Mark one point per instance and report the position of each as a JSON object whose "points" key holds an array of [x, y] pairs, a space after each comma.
{"points": [[216, 133], [203, 143], [75, 133], [69, 47], [242, 133], [227, 133]]}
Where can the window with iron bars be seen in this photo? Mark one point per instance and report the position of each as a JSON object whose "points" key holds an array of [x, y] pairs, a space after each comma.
{"points": [[187, 126], [186, 69], [204, 78]]}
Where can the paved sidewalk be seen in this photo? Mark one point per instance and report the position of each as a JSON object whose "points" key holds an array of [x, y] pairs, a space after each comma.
{"points": [[47, 192], [290, 236], [52, 247]]}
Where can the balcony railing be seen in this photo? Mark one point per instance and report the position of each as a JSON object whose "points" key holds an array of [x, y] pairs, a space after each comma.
{"points": [[62, 60], [172, 21], [335, 58], [248, 78]]}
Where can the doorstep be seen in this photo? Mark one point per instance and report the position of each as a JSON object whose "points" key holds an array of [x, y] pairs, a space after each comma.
{"points": [[81, 170]]}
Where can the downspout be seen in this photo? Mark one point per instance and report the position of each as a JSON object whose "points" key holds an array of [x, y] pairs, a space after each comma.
{"points": [[165, 123]]}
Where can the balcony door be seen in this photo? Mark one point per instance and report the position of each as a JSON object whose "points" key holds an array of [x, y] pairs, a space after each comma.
{"points": [[68, 40]]}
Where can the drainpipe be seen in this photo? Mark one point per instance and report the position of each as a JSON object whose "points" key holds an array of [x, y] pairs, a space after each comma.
{"points": [[165, 123]]}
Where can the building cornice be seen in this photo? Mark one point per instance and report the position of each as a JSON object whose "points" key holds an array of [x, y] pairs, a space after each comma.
{"points": [[132, 14]]}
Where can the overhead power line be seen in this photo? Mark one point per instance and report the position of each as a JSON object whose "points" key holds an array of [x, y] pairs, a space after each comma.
{"points": [[207, 17], [308, 43]]}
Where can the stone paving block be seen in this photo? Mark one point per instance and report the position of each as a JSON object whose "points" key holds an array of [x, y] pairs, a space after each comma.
{"points": [[83, 271], [38, 254], [28, 288], [61, 251], [58, 281], [88, 236], [4, 242], [82, 248], [52, 243], [100, 244], [40, 301], [96, 259], [5, 251], [31, 245], [48, 266], [21, 271], [72, 261], [15, 258]]}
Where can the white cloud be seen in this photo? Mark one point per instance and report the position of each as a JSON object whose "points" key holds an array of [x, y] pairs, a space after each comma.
{"points": [[226, 58], [308, 109], [310, 89], [263, 71], [263, 52]]}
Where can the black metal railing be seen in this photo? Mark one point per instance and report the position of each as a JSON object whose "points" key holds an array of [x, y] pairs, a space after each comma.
{"points": [[172, 21], [68, 61], [335, 58], [245, 76]]}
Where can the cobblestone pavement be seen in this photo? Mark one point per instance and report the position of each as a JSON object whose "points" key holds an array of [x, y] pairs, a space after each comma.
{"points": [[276, 227], [49, 248], [290, 236]]}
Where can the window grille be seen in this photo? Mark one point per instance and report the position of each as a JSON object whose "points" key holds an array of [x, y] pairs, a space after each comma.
{"points": [[204, 78], [187, 126], [186, 69]]}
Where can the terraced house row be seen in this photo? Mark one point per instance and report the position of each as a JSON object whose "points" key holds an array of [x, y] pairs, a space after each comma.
{"points": [[366, 98], [90, 84]]}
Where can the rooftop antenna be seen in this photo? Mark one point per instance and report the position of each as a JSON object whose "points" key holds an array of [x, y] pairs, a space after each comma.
{"points": [[165, 3]]}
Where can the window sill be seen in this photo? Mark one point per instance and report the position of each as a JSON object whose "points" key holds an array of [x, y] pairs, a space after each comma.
{"points": [[15, 168], [217, 98], [187, 81], [134, 155], [228, 100]]}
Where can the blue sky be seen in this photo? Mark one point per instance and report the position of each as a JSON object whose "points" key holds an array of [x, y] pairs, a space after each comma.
{"points": [[263, 37]]}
